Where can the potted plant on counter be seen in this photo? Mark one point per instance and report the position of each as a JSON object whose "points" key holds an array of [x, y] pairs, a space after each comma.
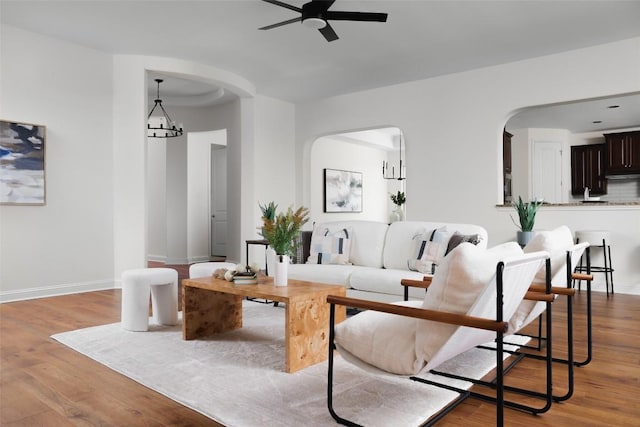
{"points": [[282, 232], [527, 218]]}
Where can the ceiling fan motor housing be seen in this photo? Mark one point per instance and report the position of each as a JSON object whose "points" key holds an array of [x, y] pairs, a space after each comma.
{"points": [[313, 14]]}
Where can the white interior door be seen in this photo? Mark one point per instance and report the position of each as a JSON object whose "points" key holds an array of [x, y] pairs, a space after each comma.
{"points": [[547, 180], [218, 201]]}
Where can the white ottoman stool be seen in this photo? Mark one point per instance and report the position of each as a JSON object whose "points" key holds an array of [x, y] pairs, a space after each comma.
{"points": [[162, 283], [206, 269]]}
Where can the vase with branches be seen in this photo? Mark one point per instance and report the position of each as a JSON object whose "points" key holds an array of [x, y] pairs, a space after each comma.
{"points": [[398, 199], [282, 231]]}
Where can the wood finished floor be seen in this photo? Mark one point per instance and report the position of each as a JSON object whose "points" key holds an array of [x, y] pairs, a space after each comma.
{"points": [[43, 383]]}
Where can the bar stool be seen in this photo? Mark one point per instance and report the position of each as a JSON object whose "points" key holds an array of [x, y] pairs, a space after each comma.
{"points": [[596, 239]]}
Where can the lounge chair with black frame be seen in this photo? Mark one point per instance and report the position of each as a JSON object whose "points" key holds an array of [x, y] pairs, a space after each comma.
{"points": [[564, 256], [471, 294]]}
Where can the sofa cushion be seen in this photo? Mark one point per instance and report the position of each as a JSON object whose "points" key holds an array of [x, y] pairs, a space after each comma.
{"points": [[429, 248], [330, 247], [384, 281], [367, 240], [332, 274], [398, 243], [459, 280]]}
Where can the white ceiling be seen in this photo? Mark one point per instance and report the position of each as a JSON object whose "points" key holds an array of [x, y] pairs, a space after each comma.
{"points": [[421, 39], [616, 112]]}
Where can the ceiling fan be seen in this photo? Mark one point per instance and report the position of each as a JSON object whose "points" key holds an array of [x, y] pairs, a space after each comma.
{"points": [[316, 14]]}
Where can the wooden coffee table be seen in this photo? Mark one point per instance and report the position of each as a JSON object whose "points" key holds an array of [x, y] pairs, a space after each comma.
{"points": [[211, 306]]}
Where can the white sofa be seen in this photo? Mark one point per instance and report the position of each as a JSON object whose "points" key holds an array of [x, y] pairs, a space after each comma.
{"points": [[378, 257]]}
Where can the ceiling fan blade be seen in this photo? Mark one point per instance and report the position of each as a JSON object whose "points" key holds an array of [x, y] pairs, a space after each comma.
{"points": [[356, 16], [327, 3], [280, 24], [328, 33], [282, 4]]}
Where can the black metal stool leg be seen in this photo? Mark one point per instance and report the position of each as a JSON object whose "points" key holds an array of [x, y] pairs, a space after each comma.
{"points": [[610, 267]]}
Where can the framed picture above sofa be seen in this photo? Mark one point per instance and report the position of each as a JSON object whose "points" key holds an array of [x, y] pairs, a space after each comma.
{"points": [[22, 163], [342, 191]]}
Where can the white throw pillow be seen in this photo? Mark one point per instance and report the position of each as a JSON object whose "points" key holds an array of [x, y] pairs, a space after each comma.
{"points": [[429, 249], [460, 278], [330, 248]]}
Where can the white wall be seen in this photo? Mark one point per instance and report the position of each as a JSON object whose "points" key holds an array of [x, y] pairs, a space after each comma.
{"points": [[66, 245], [275, 164], [157, 199], [199, 192], [94, 223], [327, 152], [94, 105], [453, 125]]}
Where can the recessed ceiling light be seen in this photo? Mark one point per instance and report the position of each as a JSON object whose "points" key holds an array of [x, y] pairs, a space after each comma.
{"points": [[613, 106], [597, 121]]}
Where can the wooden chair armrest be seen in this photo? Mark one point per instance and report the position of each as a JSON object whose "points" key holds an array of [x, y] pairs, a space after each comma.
{"points": [[421, 313], [557, 290], [581, 276], [538, 296], [424, 283]]}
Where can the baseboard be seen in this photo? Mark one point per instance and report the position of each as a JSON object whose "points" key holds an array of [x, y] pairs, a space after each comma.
{"points": [[178, 261], [157, 258], [52, 291]]}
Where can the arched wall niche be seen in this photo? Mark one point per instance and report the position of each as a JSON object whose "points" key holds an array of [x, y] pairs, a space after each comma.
{"points": [[541, 138], [363, 151]]}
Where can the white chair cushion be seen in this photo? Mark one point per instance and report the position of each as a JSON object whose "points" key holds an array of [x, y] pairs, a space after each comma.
{"points": [[557, 242], [381, 340], [463, 274]]}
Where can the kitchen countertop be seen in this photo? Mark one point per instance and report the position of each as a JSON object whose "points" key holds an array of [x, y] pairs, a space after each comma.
{"points": [[582, 204]]}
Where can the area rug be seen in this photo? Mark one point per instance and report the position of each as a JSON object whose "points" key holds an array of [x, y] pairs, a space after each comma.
{"points": [[238, 379]]}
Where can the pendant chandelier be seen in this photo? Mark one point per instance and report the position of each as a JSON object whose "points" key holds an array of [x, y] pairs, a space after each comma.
{"points": [[167, 127], [385, 165]]}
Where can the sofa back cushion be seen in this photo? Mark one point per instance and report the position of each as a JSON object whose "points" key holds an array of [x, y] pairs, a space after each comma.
{"points": [[366, 240], [399, 246]]}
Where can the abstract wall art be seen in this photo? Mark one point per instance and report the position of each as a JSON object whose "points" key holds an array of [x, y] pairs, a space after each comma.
{"points": [[22, 163], [342, 191]]}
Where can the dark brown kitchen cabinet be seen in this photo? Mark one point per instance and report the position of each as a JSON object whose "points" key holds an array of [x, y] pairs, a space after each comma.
{"points": [[587, 169], [623, 152]]}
